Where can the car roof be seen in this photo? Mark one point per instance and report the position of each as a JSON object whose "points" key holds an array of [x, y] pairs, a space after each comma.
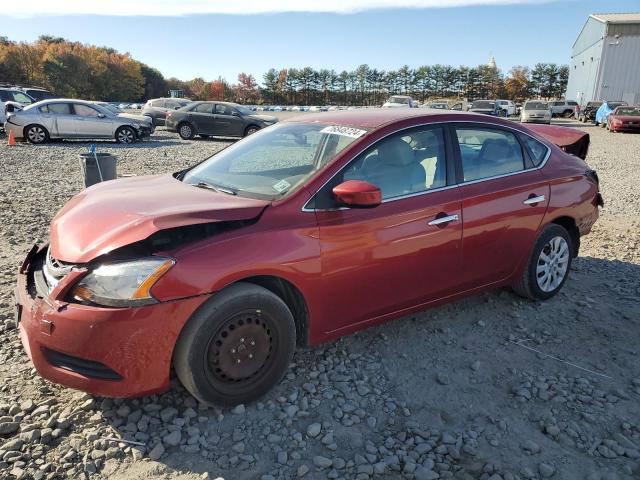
{"points": [[377, 117]]}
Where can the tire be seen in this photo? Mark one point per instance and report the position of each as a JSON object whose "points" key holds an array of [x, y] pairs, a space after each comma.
{"points": [[603, 125], [250, 130], [567, 113], [186, 131], [36, 134], [126, 135], [554, 242], [208, 354]]}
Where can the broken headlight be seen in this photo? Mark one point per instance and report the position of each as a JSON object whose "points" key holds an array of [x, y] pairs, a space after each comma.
{"points": [[122, 284]]}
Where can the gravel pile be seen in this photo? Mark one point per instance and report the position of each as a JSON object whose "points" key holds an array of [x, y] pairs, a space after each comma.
{"points": [[490, 388]]}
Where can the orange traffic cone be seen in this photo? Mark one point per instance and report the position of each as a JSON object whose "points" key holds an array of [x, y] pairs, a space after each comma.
{"points": [[12, 139]]}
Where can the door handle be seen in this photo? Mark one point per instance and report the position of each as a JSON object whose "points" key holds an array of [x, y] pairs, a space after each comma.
{"points": [[534, 200], [441, 220]]}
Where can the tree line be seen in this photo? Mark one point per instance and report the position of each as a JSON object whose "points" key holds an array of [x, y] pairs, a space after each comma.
{"points": [[76, 70]]}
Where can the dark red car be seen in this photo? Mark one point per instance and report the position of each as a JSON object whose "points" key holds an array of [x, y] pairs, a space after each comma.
{"points": [[299, 234], [624, 119]]}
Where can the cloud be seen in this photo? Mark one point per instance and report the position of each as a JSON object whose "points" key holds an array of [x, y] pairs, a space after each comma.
{"points": [[232, 7]]}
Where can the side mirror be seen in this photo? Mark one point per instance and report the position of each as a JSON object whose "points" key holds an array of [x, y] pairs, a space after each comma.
{"points": [[101, 115], [176, 107], [235, 113], [358, 194]]}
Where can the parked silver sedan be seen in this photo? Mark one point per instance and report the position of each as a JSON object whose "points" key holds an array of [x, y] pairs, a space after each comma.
{"points": [[535, 111], [72, 119]]}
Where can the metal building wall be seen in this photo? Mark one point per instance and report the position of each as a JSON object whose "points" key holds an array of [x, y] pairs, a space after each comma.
{"points": [[585, 62], [620, 67]]}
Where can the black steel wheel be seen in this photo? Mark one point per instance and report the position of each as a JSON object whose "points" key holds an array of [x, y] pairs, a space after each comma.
{"points": [[236, 346]]}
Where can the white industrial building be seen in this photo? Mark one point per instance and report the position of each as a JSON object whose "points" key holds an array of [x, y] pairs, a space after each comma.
{"points": [[605, 63]]}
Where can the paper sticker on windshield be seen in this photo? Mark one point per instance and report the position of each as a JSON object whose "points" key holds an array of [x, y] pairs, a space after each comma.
{"points": [[281, 186], [346, 131]]}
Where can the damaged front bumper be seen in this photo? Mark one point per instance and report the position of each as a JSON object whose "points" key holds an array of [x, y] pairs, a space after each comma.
{"points": [[113, 352]]}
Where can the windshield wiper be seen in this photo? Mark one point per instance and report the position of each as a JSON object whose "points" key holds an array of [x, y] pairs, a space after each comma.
{"points": [[208, 186]]}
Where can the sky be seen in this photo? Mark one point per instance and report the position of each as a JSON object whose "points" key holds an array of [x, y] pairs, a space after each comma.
{"points": [[212, 38]]}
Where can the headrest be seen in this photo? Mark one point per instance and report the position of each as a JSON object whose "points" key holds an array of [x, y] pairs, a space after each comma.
{"points": [[396, 152], [496, 149]]}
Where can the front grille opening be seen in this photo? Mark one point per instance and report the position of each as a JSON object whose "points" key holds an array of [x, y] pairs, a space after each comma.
{"points": [[87, 368]]}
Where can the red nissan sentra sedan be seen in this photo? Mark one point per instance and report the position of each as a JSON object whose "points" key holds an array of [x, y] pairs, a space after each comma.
{"points": [[306, 231]]}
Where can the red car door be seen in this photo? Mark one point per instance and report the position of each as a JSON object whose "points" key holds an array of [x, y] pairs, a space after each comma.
{"points": [[504, 198], [406, 251]]}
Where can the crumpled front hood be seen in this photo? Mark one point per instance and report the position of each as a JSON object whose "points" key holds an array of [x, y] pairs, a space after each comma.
{"points": [[116, 213]]}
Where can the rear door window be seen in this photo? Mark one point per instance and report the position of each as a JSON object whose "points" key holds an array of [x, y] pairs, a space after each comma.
{"points": [[56, 108], [204, 108], [486, 152]]}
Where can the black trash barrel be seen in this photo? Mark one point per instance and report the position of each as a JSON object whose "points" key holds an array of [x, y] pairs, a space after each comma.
{"points": [[100, 171]]}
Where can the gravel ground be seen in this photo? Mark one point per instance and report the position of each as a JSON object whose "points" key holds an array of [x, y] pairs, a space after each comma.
{"points": [[492, 387]]}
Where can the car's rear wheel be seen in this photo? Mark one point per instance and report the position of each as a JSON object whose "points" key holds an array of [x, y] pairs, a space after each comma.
{"points": [[125, 135], [186, 131], [548, 265], [237, 346], [250, 130], [36, 134]]}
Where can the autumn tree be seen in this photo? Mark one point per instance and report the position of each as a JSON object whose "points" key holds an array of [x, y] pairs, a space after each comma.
{"points": [[517, 85]]}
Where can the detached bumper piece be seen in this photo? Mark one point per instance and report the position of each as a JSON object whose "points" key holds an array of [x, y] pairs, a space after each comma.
{"points": [[87, 368]]}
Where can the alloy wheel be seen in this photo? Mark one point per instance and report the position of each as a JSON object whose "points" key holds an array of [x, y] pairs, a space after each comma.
{"points": [[185, 131], [125, 136], [242, 348], [36, 134], [553, 263]]}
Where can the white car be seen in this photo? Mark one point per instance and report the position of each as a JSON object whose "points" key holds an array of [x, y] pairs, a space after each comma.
{"points": [[12, 100], [507, 106], [535, 111], [400, 101]]}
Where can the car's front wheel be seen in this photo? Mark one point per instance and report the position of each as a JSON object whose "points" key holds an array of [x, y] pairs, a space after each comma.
{"points": [[126, 135], [36, 134], [250, 130], [237, 346], [548, 265]]}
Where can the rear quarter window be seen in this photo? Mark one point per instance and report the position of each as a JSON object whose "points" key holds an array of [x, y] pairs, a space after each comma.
{"points": [[537, 150]]}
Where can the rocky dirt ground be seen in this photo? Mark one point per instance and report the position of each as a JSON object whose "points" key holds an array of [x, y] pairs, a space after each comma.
{"points": [[490, 388]]}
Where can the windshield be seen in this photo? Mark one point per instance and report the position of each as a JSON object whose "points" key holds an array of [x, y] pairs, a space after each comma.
{"points": [[613, 105], [271, 163], [483, 104], [536, 106], [403, 100], [628, 111]]}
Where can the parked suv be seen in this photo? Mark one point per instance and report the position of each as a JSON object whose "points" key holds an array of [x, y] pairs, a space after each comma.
{"points": [[219, 119], [588, 112], [11, 100], [157, 108], [562, 108], [507, 106]]}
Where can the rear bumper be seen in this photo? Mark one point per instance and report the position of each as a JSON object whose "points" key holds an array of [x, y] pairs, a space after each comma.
{"points": [[113, 352]]}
